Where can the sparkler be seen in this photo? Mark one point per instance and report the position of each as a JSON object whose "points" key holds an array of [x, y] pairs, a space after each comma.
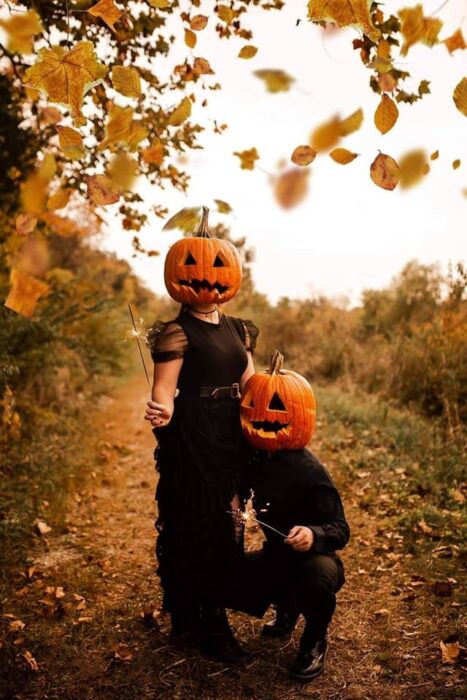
{"points": [[136, 333], [250, 514]]}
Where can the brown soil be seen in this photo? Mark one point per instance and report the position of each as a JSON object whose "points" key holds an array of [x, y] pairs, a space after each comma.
{"points": [[89, 601]]}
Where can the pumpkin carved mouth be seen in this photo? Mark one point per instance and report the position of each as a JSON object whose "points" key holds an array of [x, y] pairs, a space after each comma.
{"points": [[268, 426], [198, 285]]}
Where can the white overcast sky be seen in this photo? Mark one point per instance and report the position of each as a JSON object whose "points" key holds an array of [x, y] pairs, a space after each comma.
{"points": [[348, 234]]}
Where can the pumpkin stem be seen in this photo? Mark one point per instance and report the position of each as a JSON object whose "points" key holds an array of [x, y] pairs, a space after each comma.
{"points": [[203, 230], [276, 363]]}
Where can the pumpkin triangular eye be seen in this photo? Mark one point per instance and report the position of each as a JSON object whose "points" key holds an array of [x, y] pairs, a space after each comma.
{"points": [[251, 403], [276, 403], [190, 260], [218, 262]]}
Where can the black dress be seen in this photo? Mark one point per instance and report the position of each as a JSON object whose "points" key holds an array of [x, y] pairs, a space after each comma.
{"points": [[201, 457]]}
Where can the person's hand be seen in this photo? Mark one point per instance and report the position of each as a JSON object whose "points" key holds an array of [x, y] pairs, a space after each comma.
{"points": [[157, 414], [300, 538]]}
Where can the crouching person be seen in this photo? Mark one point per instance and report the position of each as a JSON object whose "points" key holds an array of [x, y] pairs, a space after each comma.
{"points": [[300, 511]]}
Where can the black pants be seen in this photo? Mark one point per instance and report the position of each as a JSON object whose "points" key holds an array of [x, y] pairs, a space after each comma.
{"points": [[305, 584]]}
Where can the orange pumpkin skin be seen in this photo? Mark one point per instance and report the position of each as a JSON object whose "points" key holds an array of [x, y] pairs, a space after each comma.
{"points": [[201, 269], [278, 409]]}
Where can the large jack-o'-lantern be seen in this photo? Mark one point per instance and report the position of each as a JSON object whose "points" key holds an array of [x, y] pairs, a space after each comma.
{"points": [[278, 408], [201, 269]]}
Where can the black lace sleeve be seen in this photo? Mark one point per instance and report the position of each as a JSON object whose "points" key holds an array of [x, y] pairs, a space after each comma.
{"points": [[166, 341], [251, 334]]}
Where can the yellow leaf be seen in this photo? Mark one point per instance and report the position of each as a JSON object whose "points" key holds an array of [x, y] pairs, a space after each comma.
{"points": [[455, 42], [47, 167], [122, 171], [180, 113], [25, 223], [226, 14], [21, 29], [248, 51], [385, 172], [412, 168], [121, 129], [154, 154], [66, 76], [202, 67], [344, 13], [460, 96], [108, 11], [33, 256], [33, 193], [326, 135], [190, 38], [351, 123], [126, 81], [386, 114], [343, 156], [59, 200], [71, 142], [32, 94], [223, 207], [456, 164], [160, 4], [303, 155], [291, 187], [434, 155], [415, 28], [65, 227], [186, 219], [247, 158], [101, 190], [275, 80], [25, 291], [198, 22]]}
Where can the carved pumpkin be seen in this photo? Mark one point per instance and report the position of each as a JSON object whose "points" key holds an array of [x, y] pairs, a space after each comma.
{"points": [[201, 269], [278, 409]]}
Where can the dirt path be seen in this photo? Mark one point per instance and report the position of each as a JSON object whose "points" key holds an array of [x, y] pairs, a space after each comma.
{"points": [[89, 600]]}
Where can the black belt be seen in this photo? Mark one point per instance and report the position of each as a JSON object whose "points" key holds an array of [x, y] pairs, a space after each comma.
{"points": [[220, 392]]}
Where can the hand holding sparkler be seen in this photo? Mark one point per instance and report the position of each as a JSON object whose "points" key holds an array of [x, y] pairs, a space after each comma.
{"points": [[300, 538]]}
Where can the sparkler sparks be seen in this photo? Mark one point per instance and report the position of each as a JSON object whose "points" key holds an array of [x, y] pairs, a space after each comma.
{"points": [[250, 514], [138, 332]]}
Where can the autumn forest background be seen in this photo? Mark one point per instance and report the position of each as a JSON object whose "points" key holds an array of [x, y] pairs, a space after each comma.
{"points": [[86, 114]]}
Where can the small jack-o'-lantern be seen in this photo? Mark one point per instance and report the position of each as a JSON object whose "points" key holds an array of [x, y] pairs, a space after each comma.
{"points": [[278, 409], [201, 269]]}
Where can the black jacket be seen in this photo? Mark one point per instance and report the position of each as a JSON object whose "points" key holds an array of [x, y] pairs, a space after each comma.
{"points": [[292, 487]]}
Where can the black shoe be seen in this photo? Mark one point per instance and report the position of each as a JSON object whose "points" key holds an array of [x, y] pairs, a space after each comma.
{"points": [[282, 626], [309, 663], [217, 639]]}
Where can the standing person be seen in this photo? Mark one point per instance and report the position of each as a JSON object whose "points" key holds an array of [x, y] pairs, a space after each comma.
{"points": [[202, 360]]}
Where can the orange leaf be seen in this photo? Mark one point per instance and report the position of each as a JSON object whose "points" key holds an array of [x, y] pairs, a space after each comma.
{"points": [[303, 155], [198, 22], [415, 28], [108, 11], [154, 154], [20, 29], [25, 223], [126, 81], [385, 172], [460, 96], [226, 14], [291, 187], [202, 67], [456, 164], [101, 190], [275, 80], [248, 51], [71, 142], [344, 13], [190, 38], [412, 168], [24, 293], [180, 113], [343, 156], [247, 158], [455, 42], [59, 200], [386, 114], [122, 129]]}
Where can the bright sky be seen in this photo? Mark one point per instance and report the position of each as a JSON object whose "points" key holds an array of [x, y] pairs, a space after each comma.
{"points": [[348, 234]]}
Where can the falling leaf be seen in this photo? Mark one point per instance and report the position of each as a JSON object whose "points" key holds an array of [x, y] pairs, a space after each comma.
{"points": [[450, 649], [122, 171], [303, 155], [71, 142], [51, 115], [108, 11], [21, 29], [30, 660], [275, 80], [24, 293], [160, 4], [343, 156], [247, 158], [226, 14], [190, 38], [186, 219], [198, 22], [456, 164], [344, 13], [415, 28], [248, 51], [455, 42], [121, 129], [42, 528], [66, 76], [126, 81], [385, 172], [25, 223], [201, 66], [351, 123], [291, 187], [434, 155], [386, 114], [154, 154], [326, 135], [412, 169], [59, 200], [101, 190], [180, 113], [223, 207], [460, 96]]}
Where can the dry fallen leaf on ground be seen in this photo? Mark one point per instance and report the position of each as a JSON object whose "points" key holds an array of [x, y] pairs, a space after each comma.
{"points": [[122, 652], [450, 649], [30, 660]]}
